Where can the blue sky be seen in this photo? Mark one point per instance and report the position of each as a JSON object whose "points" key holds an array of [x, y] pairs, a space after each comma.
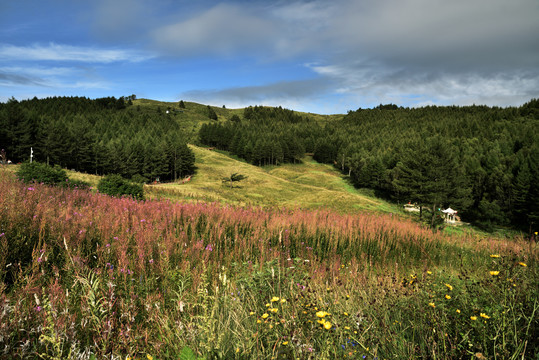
{"points": [[316, 56]]}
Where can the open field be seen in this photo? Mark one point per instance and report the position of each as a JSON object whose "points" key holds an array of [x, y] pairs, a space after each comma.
{"points": [[88, 276], [308, 185]]}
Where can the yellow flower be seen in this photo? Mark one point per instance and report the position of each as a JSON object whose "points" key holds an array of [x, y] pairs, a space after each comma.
{"points": [[448, 297], [273, 310], [449, 287], [321, 314], [149, 357], [429, 272], [285, 342], [265, 315], [458, 311], [259, 321], [473, 318], [485, 316], [522, 264], [283, 301], [128, 358], [494, 273], [348, 296], [495, 256], [274, 299], [347, 328], [345, 314], [252, 313], [432, 304], [321, 321], [327, 325], [267, 305]]}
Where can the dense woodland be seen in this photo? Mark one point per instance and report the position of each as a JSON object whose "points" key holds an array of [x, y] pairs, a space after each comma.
{"points": [[100, 136], [482, 161]]}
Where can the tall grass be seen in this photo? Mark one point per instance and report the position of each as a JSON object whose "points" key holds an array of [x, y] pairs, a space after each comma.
{"points": [[86, 275]]}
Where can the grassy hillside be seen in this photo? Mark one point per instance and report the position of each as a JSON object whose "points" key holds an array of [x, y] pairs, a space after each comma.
{"points": [[308, 185], [194, 115]]}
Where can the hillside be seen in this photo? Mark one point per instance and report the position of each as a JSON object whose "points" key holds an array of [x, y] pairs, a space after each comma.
{"points": [[308, 185]]}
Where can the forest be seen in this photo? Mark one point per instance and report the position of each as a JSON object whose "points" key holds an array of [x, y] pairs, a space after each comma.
{"points": [[100, 136], [482, 161]]}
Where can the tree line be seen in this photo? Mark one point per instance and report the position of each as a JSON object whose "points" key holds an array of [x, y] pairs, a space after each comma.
{"points": [[482, 161], [101, 136]]}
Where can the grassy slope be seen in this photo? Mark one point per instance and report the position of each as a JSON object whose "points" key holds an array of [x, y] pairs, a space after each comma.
{"points": [[307, 185]]}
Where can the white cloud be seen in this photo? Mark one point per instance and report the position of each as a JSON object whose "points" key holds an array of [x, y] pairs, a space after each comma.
{"points": [[61, 52]]}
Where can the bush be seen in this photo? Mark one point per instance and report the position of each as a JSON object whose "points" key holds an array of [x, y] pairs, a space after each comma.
{"points": [[115, 185], [41, 173], [139, 179]]}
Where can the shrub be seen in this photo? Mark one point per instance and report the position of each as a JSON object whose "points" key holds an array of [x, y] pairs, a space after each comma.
{"points": [[76, 184], [115, 185], [41, 173], [139, 179]]}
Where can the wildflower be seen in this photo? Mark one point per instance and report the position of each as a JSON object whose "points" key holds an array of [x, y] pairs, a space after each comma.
{"points": [[285, 342], [38, 308], [283, 301], [273, 310], [448, 297], [345, 314], [321, 314], [267, 305], [149, 357], [495, 256], [327, 325], [30, 189], [151, 261], [458, 311], [274, 299], [449, 287], [252, 313], [258, 321], [429, 272], [484, 316], [473, 318], [321, 321], [265, 316], [494, 273], [432, 304], [237, 350], [347, 328], [522, 264]]}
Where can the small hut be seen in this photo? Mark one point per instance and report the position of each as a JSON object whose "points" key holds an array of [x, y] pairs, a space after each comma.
{"points": [[450, 215]]}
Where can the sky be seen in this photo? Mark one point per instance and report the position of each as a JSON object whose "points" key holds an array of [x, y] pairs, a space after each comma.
{"points": [[316, 56]]}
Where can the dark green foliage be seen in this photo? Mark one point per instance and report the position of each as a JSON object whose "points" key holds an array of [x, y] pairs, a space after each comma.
{"points": [[267, 136], [115, 185], [234, 178], [99, 136], [41, 173], [211, 113], [181, 104]]}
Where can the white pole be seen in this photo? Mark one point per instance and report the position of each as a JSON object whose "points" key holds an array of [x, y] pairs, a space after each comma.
{"points": [[31, 154]]}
